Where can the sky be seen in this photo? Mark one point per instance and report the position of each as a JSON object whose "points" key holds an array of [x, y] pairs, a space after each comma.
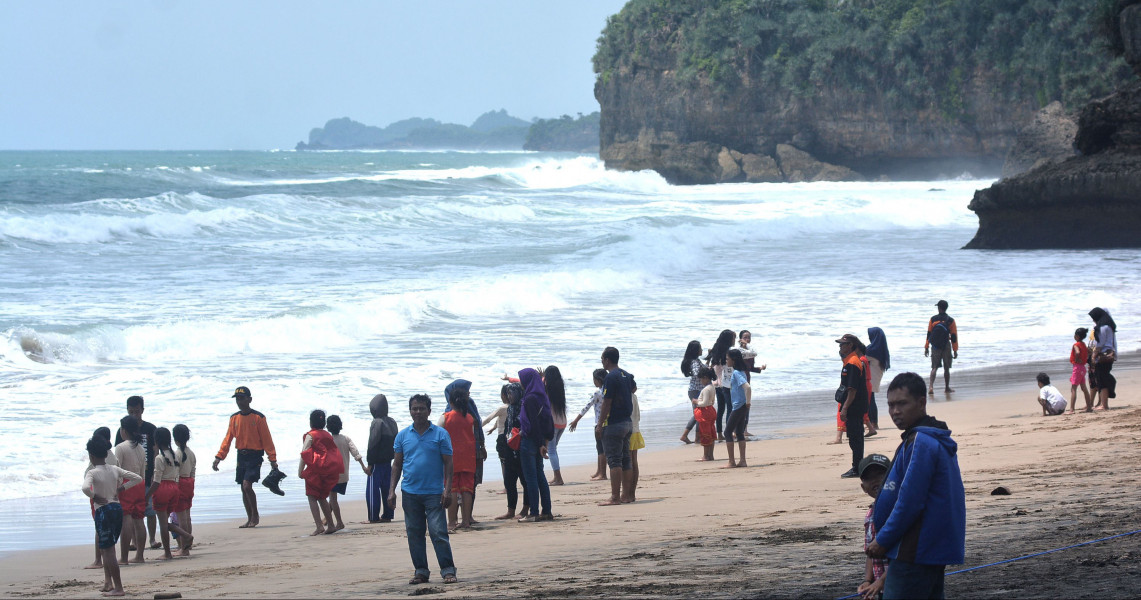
{"points": [[255, 74]]}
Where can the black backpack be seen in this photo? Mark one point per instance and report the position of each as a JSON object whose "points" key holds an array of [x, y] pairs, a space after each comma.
{"points": [[940, 334]]}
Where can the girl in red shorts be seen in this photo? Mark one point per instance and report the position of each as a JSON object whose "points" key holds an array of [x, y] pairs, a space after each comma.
{"points": [[131, 456], [188, 464], [164, 492], [321, 467]]}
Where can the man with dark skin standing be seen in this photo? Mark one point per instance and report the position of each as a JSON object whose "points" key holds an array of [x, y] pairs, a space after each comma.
{"points": [[250, 433], [856, 402], [920, 514], [423, 454], [135, 407], [617, 407], [942, 345]]}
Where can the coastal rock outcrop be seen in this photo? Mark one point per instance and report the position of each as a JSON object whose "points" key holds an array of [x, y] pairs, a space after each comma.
{"points": [[706, 92], [1092, 200], [1049, 138]]}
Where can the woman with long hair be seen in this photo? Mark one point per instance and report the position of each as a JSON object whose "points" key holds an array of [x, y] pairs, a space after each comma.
{"points": [[690, 366], [716, 359], [557, 394], [1104, 355], [879, 360], [461, 424]]}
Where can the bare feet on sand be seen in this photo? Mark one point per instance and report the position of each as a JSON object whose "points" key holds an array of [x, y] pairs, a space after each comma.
{"points": [[115, 593], [95, 566], [509, 515], [598, 477], [611, 502], [685, 438]]}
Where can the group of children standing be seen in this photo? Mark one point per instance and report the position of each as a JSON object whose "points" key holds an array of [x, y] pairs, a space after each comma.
{"points": [[154, 457], [1091, 358], [723, 378]]}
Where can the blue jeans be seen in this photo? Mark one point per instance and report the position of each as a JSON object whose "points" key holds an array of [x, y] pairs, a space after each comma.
{"points": [[534, 477], [424, 512], [912, 580], [553, 448]]}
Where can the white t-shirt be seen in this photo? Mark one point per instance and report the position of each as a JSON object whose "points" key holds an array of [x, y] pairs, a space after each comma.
{"points": [[1053, 398]]}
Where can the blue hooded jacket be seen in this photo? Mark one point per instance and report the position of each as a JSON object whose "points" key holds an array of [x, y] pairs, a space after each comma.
{"points": [[921, 511]]}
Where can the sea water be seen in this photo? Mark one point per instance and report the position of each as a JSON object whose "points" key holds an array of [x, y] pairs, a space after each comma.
{"points": [[321, 279]]}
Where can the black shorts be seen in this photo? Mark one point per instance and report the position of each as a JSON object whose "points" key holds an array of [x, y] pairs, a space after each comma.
{"points": [[598, 443], [735, 425], [341, 488], [108, 524], [249, 466]]}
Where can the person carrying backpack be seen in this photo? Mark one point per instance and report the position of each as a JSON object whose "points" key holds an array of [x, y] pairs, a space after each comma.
{"points": [[942, 345]]}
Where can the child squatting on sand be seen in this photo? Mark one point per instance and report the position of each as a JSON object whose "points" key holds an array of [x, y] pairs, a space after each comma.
{"points": [[1052, 401]]}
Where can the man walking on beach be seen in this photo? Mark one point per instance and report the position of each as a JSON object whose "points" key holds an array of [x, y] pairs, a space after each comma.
{"points": [[855, 405], [942, 344], [423, 453], [920, 514], [615, 426], [249, 431]]}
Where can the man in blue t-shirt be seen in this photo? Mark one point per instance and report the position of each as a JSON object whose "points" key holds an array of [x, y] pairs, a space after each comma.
{"points": [[615, 426], [423, 453]]}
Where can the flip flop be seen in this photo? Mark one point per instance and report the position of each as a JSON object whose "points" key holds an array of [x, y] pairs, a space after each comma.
{"points": [[450, 579]]}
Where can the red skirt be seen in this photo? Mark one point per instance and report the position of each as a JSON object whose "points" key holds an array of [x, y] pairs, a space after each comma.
{"points": [[320, 486], [166, 498], [185, 493], [706, 425], [463, 482]]}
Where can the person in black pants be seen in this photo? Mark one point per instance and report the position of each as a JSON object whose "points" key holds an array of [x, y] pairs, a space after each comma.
{"points": [[716, 360], [511, 394], [856, 404]]}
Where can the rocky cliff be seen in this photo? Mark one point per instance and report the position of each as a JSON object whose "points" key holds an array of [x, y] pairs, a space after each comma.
{"points": [[1092, 200], [781, 90]]}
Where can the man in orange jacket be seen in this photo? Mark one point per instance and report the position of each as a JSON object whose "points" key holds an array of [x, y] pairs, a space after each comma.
{"points": [[250, 433]]}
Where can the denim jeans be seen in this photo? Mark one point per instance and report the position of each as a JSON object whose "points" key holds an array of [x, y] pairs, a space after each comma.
{"points": [[912, 580], [423, 512], [553, 448], [534, 477]]}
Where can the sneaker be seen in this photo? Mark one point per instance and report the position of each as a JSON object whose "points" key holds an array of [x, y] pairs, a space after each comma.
{"points": [[850, 473]]}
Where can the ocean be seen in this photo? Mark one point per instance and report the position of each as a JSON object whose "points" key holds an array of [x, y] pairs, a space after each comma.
{"points": [[321, 279]]}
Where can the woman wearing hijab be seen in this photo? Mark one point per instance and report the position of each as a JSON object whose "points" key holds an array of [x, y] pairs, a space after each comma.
{"points": [[1104, 354], [879, 360], [537, 427], [460, 391], [458, 422]]}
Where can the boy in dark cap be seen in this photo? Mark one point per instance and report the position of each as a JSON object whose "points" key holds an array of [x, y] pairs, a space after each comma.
{"points": [[873, 469], [250, 433]]}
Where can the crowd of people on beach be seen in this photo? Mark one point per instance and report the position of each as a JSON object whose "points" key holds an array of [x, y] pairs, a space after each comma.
{"points": [[144, 482]]}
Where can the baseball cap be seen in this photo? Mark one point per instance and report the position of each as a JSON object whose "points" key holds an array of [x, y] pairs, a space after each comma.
{"points": [[874, 460], [848, 338], [242, 391]]}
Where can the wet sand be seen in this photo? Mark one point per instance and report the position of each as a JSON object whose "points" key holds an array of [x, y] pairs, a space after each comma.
{"points": [[787, 526]]}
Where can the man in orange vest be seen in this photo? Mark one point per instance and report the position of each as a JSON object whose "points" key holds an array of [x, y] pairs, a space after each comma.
{"points": [[855, 402]]}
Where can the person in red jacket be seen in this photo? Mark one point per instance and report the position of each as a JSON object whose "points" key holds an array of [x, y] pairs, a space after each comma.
{"points": [[250, 433], [320, 467]]}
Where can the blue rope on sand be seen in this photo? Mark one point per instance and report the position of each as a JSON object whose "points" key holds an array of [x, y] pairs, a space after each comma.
{"points": [[1010, 560]]}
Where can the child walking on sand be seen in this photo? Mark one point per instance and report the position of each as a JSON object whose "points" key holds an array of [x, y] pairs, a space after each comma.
{"points": [[164, 493], [103, 483], [187, 467], [346, 447], [1079, 358], [595, 403], [320, 467], [873, 470], [705, 413]]}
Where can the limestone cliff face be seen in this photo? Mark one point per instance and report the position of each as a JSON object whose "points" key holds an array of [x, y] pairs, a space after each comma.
{"points": [[1092, 200]]}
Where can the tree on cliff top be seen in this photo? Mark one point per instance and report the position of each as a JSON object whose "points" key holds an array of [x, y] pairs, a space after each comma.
{"points": [[908, 53]]}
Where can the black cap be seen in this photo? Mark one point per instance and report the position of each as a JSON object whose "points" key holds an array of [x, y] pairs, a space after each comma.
{"points": [[874, 460], [848, 338], [242, 391], [942, 304]]}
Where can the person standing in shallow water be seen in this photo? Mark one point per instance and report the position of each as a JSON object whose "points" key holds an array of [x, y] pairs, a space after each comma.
{"points": [[942, 345]]}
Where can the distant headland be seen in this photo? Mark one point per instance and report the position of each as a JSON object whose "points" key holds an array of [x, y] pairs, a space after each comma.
{"points": [[494, 130]]}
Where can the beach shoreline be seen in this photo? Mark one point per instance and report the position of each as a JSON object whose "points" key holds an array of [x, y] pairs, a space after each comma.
{"points": [[788, 526]]}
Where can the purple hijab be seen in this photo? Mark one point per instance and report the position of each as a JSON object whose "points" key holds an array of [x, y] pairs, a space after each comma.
{"points": [[534, 400]]}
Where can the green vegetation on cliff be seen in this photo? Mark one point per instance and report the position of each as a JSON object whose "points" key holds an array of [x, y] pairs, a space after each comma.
{"points": [[565, 134], [910, 54]]}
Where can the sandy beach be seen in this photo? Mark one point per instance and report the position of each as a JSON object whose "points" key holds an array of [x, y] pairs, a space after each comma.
{"points": [[787, 526]]}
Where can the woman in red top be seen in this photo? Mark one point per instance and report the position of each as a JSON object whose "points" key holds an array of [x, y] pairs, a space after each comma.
{"points": [[460, 425], [321, 466], [1079, 356]]}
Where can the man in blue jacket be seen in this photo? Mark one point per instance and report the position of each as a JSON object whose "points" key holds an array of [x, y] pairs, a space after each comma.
{"points": [[921, 513]]}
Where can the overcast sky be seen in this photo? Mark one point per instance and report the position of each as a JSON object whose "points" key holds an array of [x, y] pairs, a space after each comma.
{"points": [[165, 74]]}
